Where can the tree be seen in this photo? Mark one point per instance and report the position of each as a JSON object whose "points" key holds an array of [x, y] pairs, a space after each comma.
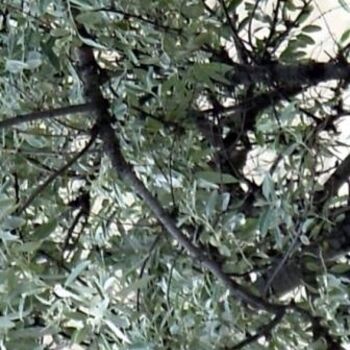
{"points": [[136, 212]]}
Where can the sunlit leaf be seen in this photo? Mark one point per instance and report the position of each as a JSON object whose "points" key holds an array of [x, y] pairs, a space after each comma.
{"points": [[215, 178], [76, 272]]}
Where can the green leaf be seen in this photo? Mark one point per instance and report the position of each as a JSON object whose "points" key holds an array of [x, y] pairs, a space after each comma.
{"points": [[289, 113], [92, 43], [81, 334], [35, 141], [134, 286], [48, 50], [319, 344], [7, 204], [345, 36], [12, 222], [215, 178], [34, 59], [311, 28], [160, 65], [340, 268], [344, 4], [313, 266], [224, 250], [268, 188], [211, 203], [233, 4], [32, 332], [266, 220], [6, 323], [307, 225], [304, 40], [29, 247], [76, 272], [15, 66], [193, 10], [91, 19], [225, 199], [304, 240], [117, 332], [43, 231]]}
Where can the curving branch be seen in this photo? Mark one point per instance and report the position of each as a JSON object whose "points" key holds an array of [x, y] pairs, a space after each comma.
{"points": [[90, 74], [127, 174]]}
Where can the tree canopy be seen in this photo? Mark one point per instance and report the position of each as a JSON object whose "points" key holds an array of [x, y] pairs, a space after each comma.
{"points": [[174, 176]]}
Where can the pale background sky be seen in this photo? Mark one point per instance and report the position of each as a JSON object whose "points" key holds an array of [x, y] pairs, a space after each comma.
{"points": [[333, 21]]}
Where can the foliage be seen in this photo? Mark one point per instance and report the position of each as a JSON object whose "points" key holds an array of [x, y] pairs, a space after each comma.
{"points": [[84, 261]]}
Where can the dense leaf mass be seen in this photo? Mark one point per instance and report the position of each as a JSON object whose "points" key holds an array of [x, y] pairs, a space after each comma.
{"points": [[174, 176]]}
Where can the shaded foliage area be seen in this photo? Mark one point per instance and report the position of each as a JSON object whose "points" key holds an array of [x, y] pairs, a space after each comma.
{"points": [[179, 175]]}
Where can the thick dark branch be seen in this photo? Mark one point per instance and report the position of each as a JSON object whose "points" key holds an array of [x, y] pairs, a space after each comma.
{"points": [[52, 113], [289, 74], [125, 171], [256, 103], [90, 75], [246, 110]]}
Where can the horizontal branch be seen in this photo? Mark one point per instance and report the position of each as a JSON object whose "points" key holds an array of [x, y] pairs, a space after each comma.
{"points": [[52, 113], [288, 74]]}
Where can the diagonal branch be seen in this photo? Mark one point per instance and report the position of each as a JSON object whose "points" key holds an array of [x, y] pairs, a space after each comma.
{"points": [[57, 173], [91, 75], [127, 174], [263, 331], [242, 51]]}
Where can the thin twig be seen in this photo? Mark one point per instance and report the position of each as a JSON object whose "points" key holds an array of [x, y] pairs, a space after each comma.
{"points": [[54, 175], [265, 330], [252, 14], [242, 52], [143, 268], [128, 15]]}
